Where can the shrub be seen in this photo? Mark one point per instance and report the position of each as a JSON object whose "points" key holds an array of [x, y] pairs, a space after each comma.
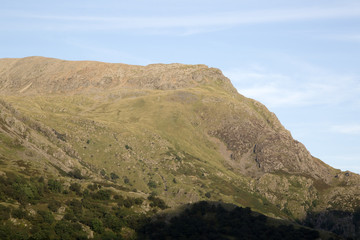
{"points": [[76, 207], [18, 213], [108, 235], [157, 202], [46, 216], [152, 184], [97, 226], [54, 185], [75, 187], [9, 231], [4, 212], [113, 176], [101, 195], [65, 192], [54, 205], [117, 197], [208, 195], [93, 186], [129, 202], [67, 230], [112, 222], [76, 173], [139, 201]]}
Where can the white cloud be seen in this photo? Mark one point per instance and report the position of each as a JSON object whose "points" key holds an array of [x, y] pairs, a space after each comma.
{"points": [[347, 129], [196, 22], [309, 87], [344, 37]]}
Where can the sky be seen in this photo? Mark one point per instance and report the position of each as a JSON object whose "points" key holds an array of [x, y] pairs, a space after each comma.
{"points": [[300, 58]]}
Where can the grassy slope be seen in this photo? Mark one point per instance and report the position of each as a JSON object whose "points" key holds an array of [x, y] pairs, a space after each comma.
{"points": [[150, 136], [163, 137]]}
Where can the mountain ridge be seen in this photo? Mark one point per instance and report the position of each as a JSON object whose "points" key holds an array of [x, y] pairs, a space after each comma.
{"points": [[180, 131], [49, 75], [53, 76]]}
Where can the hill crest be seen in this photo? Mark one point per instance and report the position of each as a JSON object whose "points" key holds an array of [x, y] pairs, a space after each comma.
{"points": [[40, 75]]}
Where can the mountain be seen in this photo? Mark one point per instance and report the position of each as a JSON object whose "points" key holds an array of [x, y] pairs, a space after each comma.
{"points": [[179, 132]]}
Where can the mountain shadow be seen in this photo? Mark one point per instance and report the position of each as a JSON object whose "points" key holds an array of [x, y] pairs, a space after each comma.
{"points": [[217, 221], [344, 223]]}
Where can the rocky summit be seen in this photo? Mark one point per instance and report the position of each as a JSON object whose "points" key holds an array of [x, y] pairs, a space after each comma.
{"points": [[165, 134]]}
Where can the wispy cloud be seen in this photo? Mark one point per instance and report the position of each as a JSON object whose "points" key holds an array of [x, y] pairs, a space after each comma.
{"points": [[347, 129], [216, 20], [344, 37], [284, 90]]}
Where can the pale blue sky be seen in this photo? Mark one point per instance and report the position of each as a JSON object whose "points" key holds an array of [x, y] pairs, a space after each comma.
{"points": [[300, 58]]}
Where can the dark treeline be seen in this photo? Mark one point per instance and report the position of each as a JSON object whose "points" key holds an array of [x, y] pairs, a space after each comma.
{"points": [[30, 209], [207, 221], [38, 209]]}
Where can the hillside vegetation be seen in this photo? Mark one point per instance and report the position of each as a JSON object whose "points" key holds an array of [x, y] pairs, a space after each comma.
{"points": [[177, 133]]}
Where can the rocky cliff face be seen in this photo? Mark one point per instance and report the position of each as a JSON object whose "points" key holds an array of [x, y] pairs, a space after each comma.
{"points": [[181, 131]]}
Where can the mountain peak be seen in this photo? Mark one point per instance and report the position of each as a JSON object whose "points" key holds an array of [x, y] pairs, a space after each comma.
{"points": [[40, 75]]}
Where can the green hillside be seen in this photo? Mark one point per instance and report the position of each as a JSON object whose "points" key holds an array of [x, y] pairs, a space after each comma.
{"points": [[153, 136]]}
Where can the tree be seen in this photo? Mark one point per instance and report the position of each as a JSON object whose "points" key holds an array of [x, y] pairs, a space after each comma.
{"points": [[67, 230], [4, 212], [54, 205], [97, 226], [76, 187], [54, 185]]}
